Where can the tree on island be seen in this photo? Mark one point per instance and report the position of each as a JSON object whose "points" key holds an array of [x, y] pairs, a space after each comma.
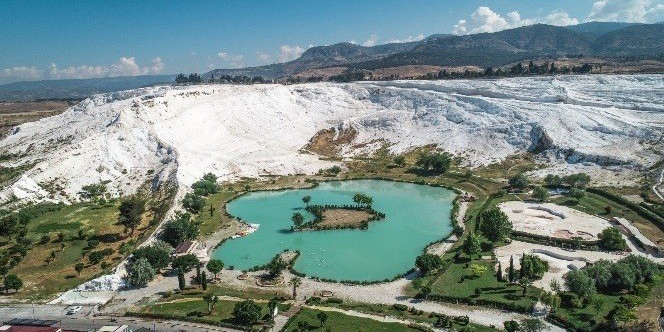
{"points": [[297, 219], [363, 199], [306, 200]]}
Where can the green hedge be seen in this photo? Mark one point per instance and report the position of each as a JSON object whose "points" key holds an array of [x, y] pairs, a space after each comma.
{"points": [[481, 302]]}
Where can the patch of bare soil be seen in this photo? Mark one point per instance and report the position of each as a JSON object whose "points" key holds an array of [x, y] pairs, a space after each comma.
{"points": [[343, 218], [15, 113], [328, 142]]}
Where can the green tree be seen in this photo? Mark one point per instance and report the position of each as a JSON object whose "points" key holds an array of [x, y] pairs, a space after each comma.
{"points": [[510, 272], [580, 283], [435, 162], [157, 254], [215, 266], [140, 272], [211, 301], [246, 312], [306, 200], [193, 203], [578, 180], [533, 267], [131, 211], [185, 263], [518, 182], [179, 229], [471, 245], [297, 219], [276, 267], [400, 161], [206, 186], [611, 239], [322, 317], [532, 325], [295, 282], [511, 326], [204, 281], [540, 193], [495, 225], [553, 180], [428, 262], [576, 193], [12, 282], [79, 267], [182, 284]]}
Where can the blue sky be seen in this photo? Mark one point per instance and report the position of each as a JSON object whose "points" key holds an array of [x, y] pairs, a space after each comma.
{"points": [[81, 39]]}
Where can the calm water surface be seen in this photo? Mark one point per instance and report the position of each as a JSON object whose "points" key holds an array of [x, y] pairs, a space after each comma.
{"points": [[415, 216]]}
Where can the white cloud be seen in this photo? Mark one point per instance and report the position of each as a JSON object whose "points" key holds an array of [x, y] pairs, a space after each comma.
{"points": [[263, 57], [408, 39], [21, 73], [235, 61], [638, 11], [157, 66], [126, 66], [288, 53], [483, 19], [371, 41]]}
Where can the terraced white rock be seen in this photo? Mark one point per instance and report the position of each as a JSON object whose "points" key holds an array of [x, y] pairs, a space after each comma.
{"points": [[602, 123]]}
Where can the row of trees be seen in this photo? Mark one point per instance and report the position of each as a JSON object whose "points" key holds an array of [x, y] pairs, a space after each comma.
{"points": [[434, 162], [194, 78]]}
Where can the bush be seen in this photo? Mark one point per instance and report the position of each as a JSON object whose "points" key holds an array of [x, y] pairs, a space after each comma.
{"points": [[400, 307], [193, 203], [246, 312], [428, 262], [611, 239], [519, 181]]}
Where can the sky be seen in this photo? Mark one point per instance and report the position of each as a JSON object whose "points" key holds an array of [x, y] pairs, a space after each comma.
{"points": [[42, 39]]}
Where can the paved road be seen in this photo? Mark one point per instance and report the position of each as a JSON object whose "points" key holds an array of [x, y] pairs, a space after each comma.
{"points": [[85, 320]]}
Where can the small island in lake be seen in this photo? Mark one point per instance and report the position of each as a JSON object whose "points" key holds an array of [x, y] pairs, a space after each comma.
{"points": [[328, 217]]}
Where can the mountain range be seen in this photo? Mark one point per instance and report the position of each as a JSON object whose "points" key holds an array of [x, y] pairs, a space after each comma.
{"points": [[603, 39]]}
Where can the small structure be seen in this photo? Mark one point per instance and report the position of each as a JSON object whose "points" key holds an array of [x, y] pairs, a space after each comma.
{"points": [[185, 248], [110, 328], [14, 328], [630, 230]]}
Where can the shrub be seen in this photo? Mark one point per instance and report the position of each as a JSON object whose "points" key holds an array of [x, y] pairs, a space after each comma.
{"points": [[611, 239], [400, 307], [246, 312], [428, 262]]}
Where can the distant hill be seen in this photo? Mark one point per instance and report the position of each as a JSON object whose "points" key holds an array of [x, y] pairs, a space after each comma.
{"points": [[634, 40], [600, 28], [606, 39], [76, 88], [319, 57]]}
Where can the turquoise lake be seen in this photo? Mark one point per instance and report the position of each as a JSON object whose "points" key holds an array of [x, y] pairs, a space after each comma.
{"points": [[416, 215]]}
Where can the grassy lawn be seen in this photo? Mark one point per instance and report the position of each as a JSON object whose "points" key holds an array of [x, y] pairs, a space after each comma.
{"points": [[338, 322], [195, 309], [388, 310], [212, 222], [588, 317], [458, 281], [44, 274]]}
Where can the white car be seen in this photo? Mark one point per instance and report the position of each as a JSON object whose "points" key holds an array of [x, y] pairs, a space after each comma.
{"points": [[74, 310]]}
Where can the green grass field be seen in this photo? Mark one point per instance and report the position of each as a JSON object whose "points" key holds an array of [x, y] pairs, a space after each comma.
{"points": [[338, 322], [43, 275]]}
